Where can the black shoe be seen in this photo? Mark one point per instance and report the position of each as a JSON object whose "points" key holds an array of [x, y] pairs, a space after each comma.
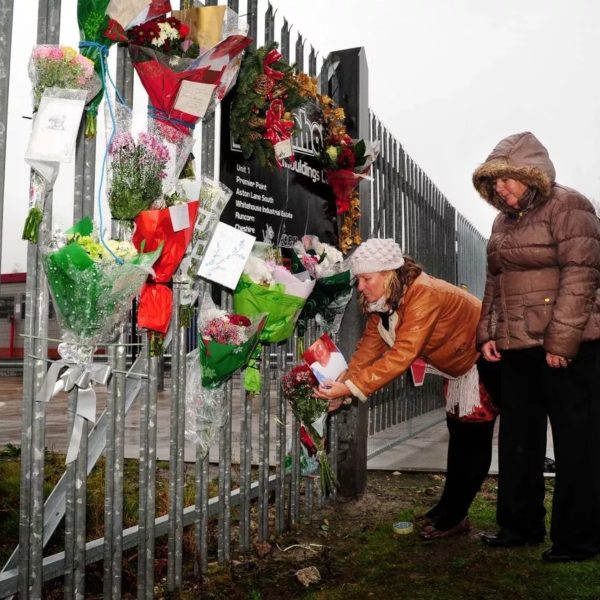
{"points": [[506, 540], [556, 556]]}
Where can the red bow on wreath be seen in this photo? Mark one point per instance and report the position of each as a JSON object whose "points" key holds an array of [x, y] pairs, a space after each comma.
{"points": [[277, 129], [272, 57]]}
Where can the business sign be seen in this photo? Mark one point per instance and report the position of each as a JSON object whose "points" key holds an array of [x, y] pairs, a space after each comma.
{"points": [[280, 205]]}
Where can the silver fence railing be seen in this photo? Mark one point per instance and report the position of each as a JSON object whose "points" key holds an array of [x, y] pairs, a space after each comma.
{"points": [[242, 485]]}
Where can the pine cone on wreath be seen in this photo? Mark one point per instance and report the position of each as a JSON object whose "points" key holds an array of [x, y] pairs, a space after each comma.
{"points": [[263, 85]]}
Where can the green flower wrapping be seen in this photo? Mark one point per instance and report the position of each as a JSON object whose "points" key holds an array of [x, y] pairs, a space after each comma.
{"points": [[220, 361], [93, 22], [92, 297], [252, 299]]}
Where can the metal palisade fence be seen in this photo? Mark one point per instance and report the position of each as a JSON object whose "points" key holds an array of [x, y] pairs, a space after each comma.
{"points": [[242, 485]]}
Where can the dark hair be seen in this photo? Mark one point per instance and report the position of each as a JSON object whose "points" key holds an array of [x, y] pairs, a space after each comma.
{"points": [[397, 283]]}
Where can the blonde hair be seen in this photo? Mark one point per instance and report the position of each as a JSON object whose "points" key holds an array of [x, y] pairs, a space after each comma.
{"points": [[396, 283]]}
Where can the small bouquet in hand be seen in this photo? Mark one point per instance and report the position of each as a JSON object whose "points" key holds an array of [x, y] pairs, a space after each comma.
{"points": [[136, 173], [298, 386], [91, 291], [61, 67], [333, 288]]}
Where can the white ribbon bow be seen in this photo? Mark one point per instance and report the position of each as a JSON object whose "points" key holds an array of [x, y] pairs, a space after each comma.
{"points": [[80, 376]]}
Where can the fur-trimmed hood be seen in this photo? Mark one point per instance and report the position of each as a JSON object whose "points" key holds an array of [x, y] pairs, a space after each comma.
{"points": [[520, 156]]}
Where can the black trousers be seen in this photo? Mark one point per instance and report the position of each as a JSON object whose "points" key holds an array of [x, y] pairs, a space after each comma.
{"points": [[469, 458], [530, 393]]}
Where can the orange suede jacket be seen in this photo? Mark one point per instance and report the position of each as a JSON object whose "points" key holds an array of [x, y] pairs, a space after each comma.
{"points": [[435, 320]]}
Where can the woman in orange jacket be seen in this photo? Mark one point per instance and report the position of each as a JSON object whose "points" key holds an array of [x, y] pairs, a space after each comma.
{"points": [[413, 315]]}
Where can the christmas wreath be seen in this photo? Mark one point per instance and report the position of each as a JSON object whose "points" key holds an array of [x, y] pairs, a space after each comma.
{"points": [[261, 118]]}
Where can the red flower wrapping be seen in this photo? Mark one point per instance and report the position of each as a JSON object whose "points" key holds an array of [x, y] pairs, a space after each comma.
{"points": [[155, 306], [153, 228], [162, 75], [307, 441], [342, 182]]}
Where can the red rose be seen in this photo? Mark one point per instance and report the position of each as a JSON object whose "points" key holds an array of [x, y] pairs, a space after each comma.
{"points": [[184, 30], [240, 320]]}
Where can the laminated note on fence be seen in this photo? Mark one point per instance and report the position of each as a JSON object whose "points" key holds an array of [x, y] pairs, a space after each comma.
{"points": [[226, 255], [56, 125]]}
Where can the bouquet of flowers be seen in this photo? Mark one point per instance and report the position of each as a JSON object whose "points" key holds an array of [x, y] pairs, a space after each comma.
{"points": [[261, 113], [346, 161], [226, 343], [165, 34], [93, 22], [62, 67], [91, 291], [125, 14], [266, 287], [178, 80], [137, 170], [298, 387], [153, 229], [333, 288]]}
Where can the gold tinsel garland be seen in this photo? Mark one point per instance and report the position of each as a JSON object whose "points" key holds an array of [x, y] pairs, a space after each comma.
{"points": [[334, 121]]}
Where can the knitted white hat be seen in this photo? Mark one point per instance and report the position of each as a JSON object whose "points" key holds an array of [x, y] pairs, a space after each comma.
{"points": [[376, 255]]}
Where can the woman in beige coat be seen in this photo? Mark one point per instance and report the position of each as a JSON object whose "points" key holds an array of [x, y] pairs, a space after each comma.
{"points": [[541, 321]]}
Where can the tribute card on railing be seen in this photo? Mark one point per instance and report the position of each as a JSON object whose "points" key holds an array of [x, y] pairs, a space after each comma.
{"points": [[226, 255]]}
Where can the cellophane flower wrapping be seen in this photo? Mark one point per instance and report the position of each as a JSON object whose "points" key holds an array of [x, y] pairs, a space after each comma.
{"points": [[213, 199], [226, 342], [136, 170], [333, 282], [61, 67], [266, 287], [93, 23], [126, 14], [346, 163], [179, 146], [206, 409], [309, 463], [298, 388], [91, 291], [163, 75], [153, 229]]}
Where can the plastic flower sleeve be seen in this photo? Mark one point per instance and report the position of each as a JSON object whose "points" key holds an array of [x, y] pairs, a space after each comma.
{"points": [[179, 146], [93, 23], [213, 199], [206, 410], [91, 292]]}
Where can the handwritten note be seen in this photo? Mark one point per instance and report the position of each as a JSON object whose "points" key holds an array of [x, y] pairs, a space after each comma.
{"points": [[193, 97]]}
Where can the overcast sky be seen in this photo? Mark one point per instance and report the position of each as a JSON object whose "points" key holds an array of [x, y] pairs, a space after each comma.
{"points": [[449, 78]]}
